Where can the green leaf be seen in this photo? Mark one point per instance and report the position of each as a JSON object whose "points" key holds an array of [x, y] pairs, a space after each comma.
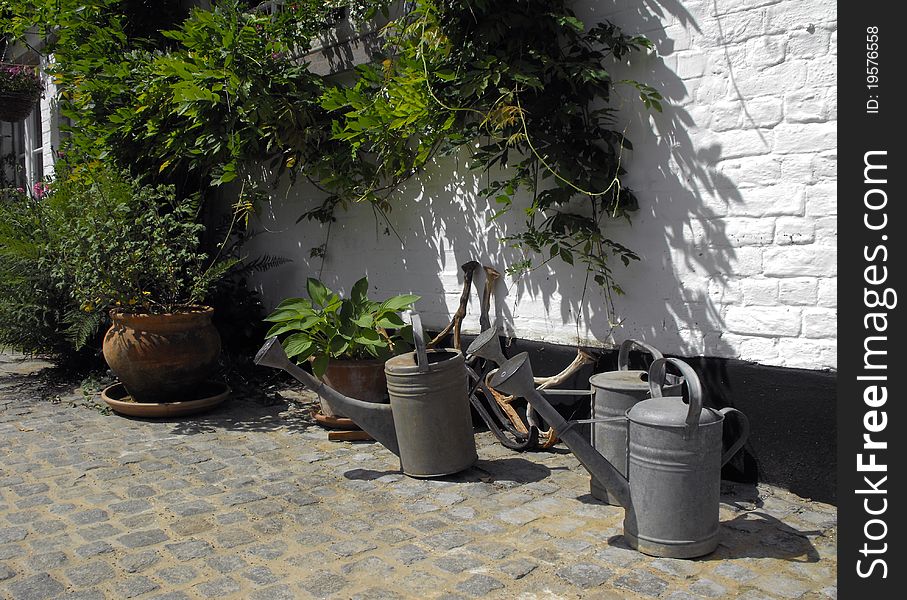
{"points": [[498, 214], [296, 304], [571, 22], [364, 321], [566, 256], [390, 321], [320, 365], [296, 345], [317, 291], [338, 345], [359, 293], [369, 337], [280, 329], [400, 302], [281, 315]]}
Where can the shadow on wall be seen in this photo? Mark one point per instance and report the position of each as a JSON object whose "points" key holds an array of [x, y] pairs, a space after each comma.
{"points": [[439, 223]]}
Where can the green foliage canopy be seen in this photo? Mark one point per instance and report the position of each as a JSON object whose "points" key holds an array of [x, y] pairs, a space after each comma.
{"points": [[524, 88]]}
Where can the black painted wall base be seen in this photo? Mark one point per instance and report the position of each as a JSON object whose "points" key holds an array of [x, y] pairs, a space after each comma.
{"points": [[792, 414]]}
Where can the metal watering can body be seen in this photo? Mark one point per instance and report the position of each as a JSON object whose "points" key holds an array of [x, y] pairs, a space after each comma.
{"points": [[672, 495], [428, 423], [431, 412], [613, 394], [675, 460]]}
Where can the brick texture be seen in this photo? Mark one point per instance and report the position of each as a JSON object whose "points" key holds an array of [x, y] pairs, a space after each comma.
{"points": [[759, 91]]}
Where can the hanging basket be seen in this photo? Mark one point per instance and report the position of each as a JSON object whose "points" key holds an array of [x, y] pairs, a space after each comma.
{"points": [[20, 88], [16, 107]]}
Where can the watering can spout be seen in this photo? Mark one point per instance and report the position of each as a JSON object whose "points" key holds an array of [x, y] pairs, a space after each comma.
{"points": [[487, 346], [376, 419], [515, 377]]}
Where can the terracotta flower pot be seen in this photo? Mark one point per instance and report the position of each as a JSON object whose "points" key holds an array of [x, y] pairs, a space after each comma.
{"points": [[162, 358], [360, 379]]}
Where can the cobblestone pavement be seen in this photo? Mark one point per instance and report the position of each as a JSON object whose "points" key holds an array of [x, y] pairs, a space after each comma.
{"points": [[252, 501]]}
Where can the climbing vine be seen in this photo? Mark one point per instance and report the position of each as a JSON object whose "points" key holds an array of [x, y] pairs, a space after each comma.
{"points": [[199, 99], [525, 89]]}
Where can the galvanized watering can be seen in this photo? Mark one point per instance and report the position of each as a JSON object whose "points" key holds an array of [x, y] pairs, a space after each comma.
{"points": [[427, 424], [672, 496], [613, 394]]}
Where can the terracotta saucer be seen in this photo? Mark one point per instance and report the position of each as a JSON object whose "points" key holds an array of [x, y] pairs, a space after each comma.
{"points": [[209, 395], [331, 422]]}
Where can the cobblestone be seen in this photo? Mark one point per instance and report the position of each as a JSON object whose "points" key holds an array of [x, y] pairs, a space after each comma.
{"points": [[138, 539], [190, 549], [133, 563], [709, 589], [49, 560], [585, 575], [12, 534], [218, 587], [458, 564], [479, 586], [261, 575], [90, 574], [519, 568], [643, 583], [131, 587], [36, 587], [177, 574], [94, 549], [252, 502]]}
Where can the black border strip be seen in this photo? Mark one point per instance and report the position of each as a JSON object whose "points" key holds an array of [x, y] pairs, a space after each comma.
{"points": [[871, 261]]}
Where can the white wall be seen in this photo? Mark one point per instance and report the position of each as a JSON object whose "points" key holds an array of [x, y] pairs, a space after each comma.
{"points": [[50, 123], [736, 181]]}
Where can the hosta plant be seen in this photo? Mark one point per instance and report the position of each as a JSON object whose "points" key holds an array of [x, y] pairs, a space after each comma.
{"points": [[325, 326]]}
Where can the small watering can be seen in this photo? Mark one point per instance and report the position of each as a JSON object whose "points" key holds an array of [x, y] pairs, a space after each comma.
{"points": [[427, 424], [672, 496], [613, 394]]}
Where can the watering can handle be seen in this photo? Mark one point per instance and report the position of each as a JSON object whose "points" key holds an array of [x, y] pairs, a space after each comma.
{"points": [[744, 433], [623, 355], [419, 342], [657, 372]]}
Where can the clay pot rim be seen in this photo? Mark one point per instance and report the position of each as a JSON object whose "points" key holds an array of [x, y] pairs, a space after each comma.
{"points": [[354, 362], [189, 312]]}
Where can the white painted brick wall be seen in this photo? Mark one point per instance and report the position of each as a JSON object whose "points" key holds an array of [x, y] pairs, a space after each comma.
{"points": [[737, 188]]}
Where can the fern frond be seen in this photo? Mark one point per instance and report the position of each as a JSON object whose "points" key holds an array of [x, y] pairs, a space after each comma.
{"points": [[262, 263], [81, 326]]}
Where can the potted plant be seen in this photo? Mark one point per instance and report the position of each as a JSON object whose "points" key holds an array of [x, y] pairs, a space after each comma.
{"points": [[347, 340], [20, 88], [133, 252]]}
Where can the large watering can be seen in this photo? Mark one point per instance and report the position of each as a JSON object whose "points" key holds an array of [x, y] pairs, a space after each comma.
{"points": [[427, 423], [613, 394], [672, 495]]}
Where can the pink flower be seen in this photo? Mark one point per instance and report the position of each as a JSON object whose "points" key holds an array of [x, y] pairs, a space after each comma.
{"points": [[40, 189]]}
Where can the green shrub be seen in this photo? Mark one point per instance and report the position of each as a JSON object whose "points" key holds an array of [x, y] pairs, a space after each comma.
{"points": [[97, 240], [128, 246], [33, 301]]}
